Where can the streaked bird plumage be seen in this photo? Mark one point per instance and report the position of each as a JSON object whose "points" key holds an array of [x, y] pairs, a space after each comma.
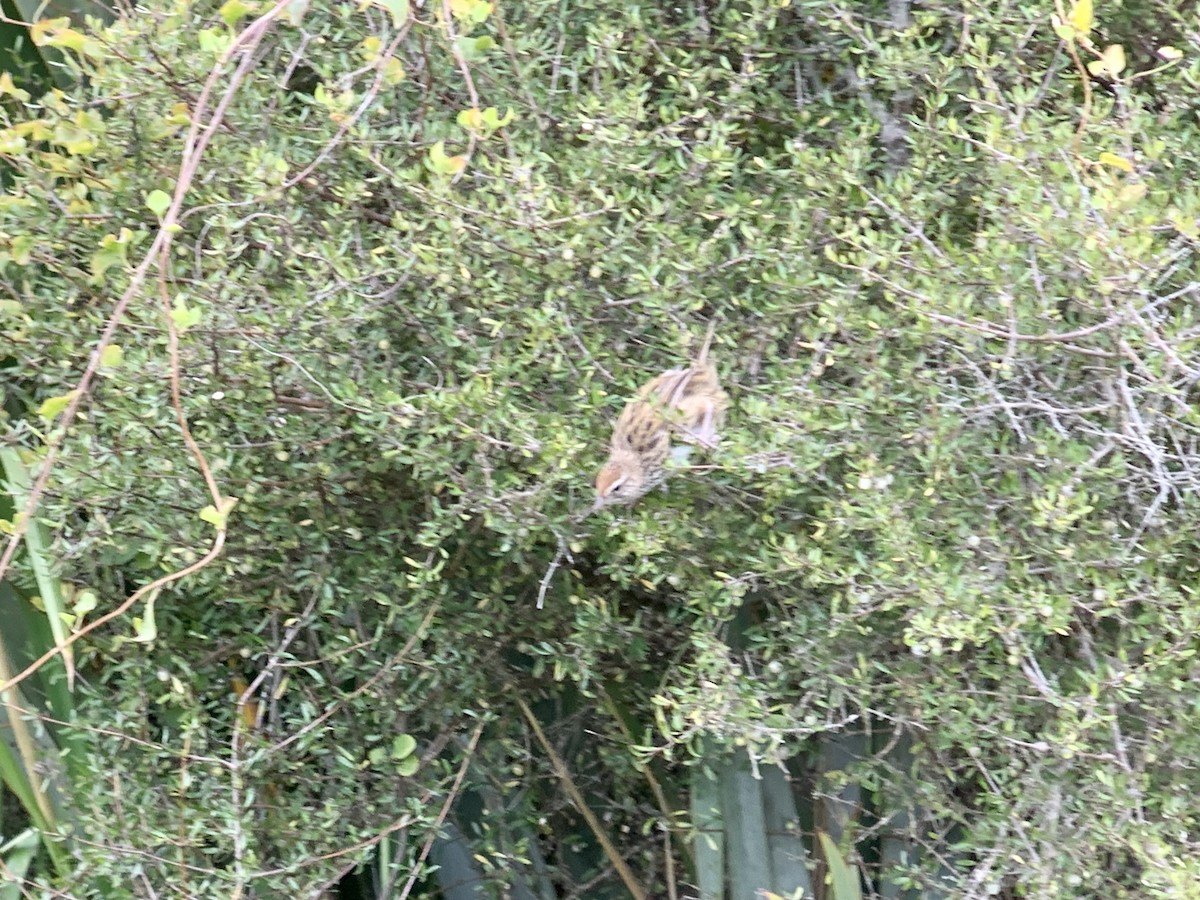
{"points": [[681, 404]]}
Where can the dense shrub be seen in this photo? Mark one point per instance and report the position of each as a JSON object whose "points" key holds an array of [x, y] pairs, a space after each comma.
{"points": [[954, 507]]}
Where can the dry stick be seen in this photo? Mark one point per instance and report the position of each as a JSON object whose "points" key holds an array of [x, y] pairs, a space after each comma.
{"points": [[441, 817], [564, 775], [563, 553], [194, 146]]}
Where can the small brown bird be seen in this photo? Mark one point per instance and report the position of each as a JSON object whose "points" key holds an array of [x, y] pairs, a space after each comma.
{"points": [[687, 403]]}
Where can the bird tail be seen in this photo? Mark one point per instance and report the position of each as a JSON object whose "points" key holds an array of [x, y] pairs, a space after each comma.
{"points": [[702, 356]]}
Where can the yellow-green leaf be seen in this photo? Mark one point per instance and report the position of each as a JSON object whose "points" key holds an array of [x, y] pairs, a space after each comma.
{"points": [[1189, 228], [157, 202], [1081, 17], [7, 87], [219, 517], [145, 629], [843, 881], [184, 316], [1132, 193], [52, 406], [112, 356], [443, 164], [213, 41], [85, 602], [1117, 162], [20, 249], [233, 11], [1170, 53], [1110, 64], [112, 252], [1064, 30], [470, 119], [403, 745], [393, 72]]}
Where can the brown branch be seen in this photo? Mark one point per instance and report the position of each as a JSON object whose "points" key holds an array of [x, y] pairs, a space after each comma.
{"points": [[441, 816], [568, 783]]}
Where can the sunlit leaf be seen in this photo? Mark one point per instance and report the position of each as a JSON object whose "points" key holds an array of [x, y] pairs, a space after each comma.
{"points": [[113, 252], [1110, 64], [112, 356], [157, 202], [145, 628], [52, 407], [8, 88], [443, 164], [1117, 162], [233, 11], [1081, 16], [403, 745]]}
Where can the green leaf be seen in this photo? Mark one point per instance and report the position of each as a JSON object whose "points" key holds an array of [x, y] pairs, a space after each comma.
{"points": [[1064, 30], [212, 41], [491, 118], [219, 517], [469, 119], [8, 88], [472, 48], [112, 356], [184, 316], [408, 766], [398, 9], [843, 881], [113, 252], [403, 745], [443, 164], [145, 629], [52, 406], [233, 11], [158, 201], [20, 249], [85, 602], [17, 856]]}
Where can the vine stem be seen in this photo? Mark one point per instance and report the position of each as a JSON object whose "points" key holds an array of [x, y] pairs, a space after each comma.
{"points": [[198, 137]]}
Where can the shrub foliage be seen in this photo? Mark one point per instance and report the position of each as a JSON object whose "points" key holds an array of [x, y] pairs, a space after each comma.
{"points": [[427, 256]]}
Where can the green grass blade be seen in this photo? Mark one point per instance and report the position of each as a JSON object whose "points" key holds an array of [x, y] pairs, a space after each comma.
{"points": [[746, 832], [17, 855], [843, 881], [709, 844], [37, 542], [787, 850]]}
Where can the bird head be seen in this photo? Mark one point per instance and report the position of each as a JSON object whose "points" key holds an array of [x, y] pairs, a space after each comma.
{"points": [[620, 481]]}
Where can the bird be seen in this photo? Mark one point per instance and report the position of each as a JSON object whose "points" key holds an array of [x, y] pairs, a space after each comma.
{"points": [[687, 404]]}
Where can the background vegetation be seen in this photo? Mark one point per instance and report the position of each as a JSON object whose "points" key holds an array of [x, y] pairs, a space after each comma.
{"points": [[385, 275]]}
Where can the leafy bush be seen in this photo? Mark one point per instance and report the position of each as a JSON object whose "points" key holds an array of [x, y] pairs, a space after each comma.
{"points": [[954, 508]]}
